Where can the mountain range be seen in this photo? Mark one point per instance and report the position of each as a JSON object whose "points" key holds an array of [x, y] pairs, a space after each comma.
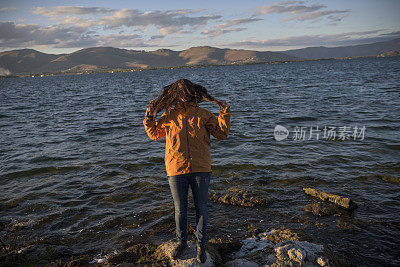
{"points": [[95, 59]]}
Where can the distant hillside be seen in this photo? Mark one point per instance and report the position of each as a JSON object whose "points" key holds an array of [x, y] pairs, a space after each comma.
{"points": [[24, 60], [101, 58], [346, 51], [96, 59]]}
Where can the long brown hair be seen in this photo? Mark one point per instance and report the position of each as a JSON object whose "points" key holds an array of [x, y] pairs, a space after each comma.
{"points": [[181, 90]]}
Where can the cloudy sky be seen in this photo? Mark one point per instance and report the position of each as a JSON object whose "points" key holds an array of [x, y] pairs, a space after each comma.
{"points": [[65, 26]]}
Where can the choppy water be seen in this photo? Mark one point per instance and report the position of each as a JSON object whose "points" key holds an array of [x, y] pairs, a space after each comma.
{"points": [[78, 169]]}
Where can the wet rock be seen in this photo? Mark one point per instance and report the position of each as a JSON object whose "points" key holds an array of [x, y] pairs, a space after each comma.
{"points": [[323, 261], [320, 225], [281, 234], [34, 255], [390, 179], [279, 248], [240, 197], [253, 231], [320, 209], [343, 225], [343, 202], [138, 254], [295, 253], [252, 245], [82, 260], [188, 258], [241, 263], [255, 249], [222, 249]]}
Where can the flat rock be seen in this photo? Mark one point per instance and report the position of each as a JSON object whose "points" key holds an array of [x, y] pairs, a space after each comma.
{"points": [[278, 248], [343, 202], [280, 235], [252, 245], [241, 197], [292, 253], [188, 258], [320, 209]]}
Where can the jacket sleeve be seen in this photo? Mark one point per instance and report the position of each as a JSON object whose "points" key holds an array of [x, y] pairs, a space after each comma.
{"points": [[155, 130], [219, 128]]}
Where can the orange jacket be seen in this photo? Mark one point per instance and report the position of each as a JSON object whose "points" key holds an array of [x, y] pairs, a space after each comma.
{"points": [[187, 128]]}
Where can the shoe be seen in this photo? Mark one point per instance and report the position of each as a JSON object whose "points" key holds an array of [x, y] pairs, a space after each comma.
{"points": [[178, 251], [201, 254]]}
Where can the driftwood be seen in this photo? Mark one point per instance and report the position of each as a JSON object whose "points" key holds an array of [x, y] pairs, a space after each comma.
{"points": [[343, 202]]}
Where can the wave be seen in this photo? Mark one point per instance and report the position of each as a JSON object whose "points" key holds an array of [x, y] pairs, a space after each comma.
{"points": [[393, 146], [41, 171], [46, 159], [105, 129], [300, 118]]}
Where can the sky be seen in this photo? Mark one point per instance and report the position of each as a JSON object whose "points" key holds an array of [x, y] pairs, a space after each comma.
{"points": [[56, 27]]}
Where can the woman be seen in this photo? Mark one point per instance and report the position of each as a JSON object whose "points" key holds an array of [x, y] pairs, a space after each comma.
{"points": [[187, 128]]}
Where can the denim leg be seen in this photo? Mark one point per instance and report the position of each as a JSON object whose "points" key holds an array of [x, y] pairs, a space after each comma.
{"points": [[179, 185], [199, 183]]}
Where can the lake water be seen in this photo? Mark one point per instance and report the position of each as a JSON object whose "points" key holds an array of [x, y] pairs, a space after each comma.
{"points": [[77, 168]]}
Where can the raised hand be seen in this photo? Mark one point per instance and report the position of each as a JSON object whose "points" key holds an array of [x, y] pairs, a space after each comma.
{"points": [[222, 104], [150, 111]]}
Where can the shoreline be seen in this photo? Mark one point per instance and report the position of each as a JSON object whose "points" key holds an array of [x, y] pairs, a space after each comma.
{"points": [[121, 70], [255, 247], [271, 247]]}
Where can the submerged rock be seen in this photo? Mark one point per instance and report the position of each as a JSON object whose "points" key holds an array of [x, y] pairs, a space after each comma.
{"points": [[343, 202], [320, 209], [188, 258], [390, 179], [240, 197], [138, 254]]}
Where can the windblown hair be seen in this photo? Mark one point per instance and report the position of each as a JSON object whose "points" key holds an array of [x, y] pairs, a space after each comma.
{"points": [[181, 90]]}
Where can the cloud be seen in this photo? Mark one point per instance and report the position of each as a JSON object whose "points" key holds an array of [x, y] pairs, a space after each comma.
{"points": [[349, 38], [218, 32], [8, 9], [115, 40], [318, 14], [392, 34], [225, 28], [294, 7], [155, 37], [337, 18], [66, 36], [74, 27], [234, 22], [78, 22], [70, 10], [301, 12], [167, 22], [23, 35]]}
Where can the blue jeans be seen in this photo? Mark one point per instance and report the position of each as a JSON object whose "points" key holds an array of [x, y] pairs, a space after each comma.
{"points": [[179, 184]]}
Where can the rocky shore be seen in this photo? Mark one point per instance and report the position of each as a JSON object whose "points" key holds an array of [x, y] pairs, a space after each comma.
{"points": [[279, 246], [275, 247]]}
